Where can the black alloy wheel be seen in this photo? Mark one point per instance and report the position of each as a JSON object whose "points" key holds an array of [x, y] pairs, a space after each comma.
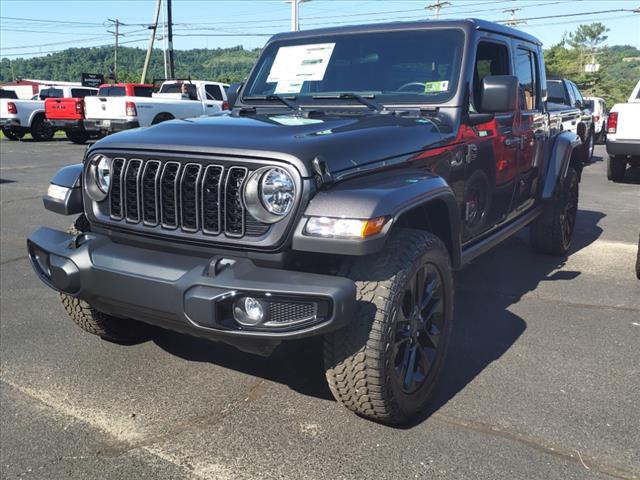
{"points": [[419, 323]]}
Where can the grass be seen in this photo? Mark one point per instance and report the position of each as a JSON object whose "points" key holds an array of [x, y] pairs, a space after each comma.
{"points": [[58, 134]]}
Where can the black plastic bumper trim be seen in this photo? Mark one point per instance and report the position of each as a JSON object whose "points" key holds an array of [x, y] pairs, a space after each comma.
{"points": [[157, 287]]}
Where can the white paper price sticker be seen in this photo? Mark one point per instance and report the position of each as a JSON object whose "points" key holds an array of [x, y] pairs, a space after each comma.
{"points": [[300, 63]]}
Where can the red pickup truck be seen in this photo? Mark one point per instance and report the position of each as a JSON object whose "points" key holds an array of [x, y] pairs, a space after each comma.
{"points": [[68, 113]]}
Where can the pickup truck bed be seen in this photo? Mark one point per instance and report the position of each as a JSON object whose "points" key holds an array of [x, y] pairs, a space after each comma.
{"points": [[623, 136]]}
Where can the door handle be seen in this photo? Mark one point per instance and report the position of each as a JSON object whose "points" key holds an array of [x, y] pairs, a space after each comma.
{"points": [[513, 142]]}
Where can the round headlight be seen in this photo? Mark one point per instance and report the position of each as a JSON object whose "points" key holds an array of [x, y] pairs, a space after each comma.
{"points": [[277, 191], [103, 174], [97, 178]]}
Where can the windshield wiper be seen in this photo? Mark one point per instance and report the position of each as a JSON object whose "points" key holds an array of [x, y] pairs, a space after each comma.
{"points": [[376, 107], [279, 98]]}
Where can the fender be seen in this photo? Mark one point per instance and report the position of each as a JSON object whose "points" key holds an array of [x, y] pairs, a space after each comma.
{"points": [[382, 194], [33, 115], [559, 158], [68, 197]]}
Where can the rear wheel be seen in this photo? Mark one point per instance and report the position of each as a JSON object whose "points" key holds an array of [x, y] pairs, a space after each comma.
{"points": [[385, 364], [551, 232], [162, 117], [12, 134], [108, 327], [77, 136], [616, 167], [41, 130]]}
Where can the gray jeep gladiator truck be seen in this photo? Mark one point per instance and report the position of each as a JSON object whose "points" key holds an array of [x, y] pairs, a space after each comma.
{"points": [[358, 168]]}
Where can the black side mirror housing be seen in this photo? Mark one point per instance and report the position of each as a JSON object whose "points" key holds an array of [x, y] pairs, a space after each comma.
{"points": [[499, 94], [233, 92]]}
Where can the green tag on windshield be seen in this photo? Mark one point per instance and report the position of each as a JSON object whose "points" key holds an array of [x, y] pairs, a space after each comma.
{"points": [[435, 87]]}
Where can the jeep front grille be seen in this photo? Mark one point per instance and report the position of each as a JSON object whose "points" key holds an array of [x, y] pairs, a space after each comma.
{"points": [[185, 197]]}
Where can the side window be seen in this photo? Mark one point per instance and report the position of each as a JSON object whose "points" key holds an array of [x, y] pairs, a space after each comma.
{"points": [[577, 93], [572, 94], [213, 92], [527, 73], [142, 91], [82, 92], [491, 59]]}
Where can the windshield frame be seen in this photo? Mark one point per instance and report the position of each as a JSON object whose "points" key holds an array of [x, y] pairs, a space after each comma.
{"points": [[454, 99]]}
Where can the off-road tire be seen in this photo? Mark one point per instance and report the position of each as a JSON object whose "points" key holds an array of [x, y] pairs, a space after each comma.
{"points": [[616, 168], [77, 136], [551, 232], [118, 330], [589, 147], [41, 130], [11, 134], [359, 359]]}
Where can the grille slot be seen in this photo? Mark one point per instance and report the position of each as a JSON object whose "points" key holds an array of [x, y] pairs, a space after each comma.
{"points": [[132, 189], [290, 312], [189, 197], [169, 194], [150, 176], [115, 199], [211, 188], [234, 210]]}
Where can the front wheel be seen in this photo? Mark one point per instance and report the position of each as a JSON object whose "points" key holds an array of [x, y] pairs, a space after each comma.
{"points": [[551, 232], [386, 363], [41, 130], [616, 168], [13, 134]]}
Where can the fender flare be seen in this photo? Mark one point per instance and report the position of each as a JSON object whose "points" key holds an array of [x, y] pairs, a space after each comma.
{"points": [[562, 148], [33, 115], [378, 195], [70, 178]]}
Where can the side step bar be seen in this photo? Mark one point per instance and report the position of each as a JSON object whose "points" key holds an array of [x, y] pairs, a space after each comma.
{"points": [[481, 246]]}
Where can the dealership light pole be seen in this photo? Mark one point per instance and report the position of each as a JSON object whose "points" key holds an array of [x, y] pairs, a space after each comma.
{"points": [[295, 17]]}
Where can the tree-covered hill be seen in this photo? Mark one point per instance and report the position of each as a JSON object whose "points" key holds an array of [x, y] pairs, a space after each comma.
{"points": [[222, 64]]}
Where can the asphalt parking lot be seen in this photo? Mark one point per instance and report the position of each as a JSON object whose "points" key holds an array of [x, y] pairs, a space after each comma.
{"points": [[542, 381]]}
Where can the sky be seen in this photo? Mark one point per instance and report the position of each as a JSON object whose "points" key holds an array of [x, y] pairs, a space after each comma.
{"points": [[31, 28]]}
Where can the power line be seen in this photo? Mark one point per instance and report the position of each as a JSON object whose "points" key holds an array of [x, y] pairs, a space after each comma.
{"points": [[89, 46]]}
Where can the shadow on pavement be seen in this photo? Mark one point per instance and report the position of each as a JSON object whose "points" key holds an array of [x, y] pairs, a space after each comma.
{"points": [[484, 327]]}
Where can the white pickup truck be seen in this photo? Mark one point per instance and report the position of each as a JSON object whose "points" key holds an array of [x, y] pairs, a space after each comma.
{"points": [[19, 117], [176, 99], [623, 136]]}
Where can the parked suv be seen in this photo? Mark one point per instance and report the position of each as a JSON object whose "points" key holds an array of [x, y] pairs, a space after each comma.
{"points": [[354, 174], [568, 105], [598, 108]]}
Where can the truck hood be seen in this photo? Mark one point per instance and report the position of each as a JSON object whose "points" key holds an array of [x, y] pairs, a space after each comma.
{"points": [[343, 142]]}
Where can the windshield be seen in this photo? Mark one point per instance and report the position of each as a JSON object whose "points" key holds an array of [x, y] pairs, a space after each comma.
{"points": [[417, 66]]}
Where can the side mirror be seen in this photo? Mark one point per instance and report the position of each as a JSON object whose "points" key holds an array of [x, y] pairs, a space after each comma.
{"points": [[579, 104], [499, 93], [233, 92]]}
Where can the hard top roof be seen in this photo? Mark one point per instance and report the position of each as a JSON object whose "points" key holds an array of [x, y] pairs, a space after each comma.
{"points": [[466, 24]]}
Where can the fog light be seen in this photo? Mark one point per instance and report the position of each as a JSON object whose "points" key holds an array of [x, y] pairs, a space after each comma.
{"points": [[42, 260], [249, 311]]}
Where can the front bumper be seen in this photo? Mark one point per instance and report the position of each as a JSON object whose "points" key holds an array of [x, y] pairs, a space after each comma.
{"points": [[110, 126], [184, 293], [623, 147]]}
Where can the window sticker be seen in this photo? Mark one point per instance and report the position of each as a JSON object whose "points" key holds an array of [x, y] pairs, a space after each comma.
{"points": [[301, 62], [288, 87], [435, 87]]}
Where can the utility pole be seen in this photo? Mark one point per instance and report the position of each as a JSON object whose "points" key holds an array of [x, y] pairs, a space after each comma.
{"points": [[295, 13], [172, 69], [513, 21], [164, 42], [116, 22], [153, 29], [437, 5]]}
